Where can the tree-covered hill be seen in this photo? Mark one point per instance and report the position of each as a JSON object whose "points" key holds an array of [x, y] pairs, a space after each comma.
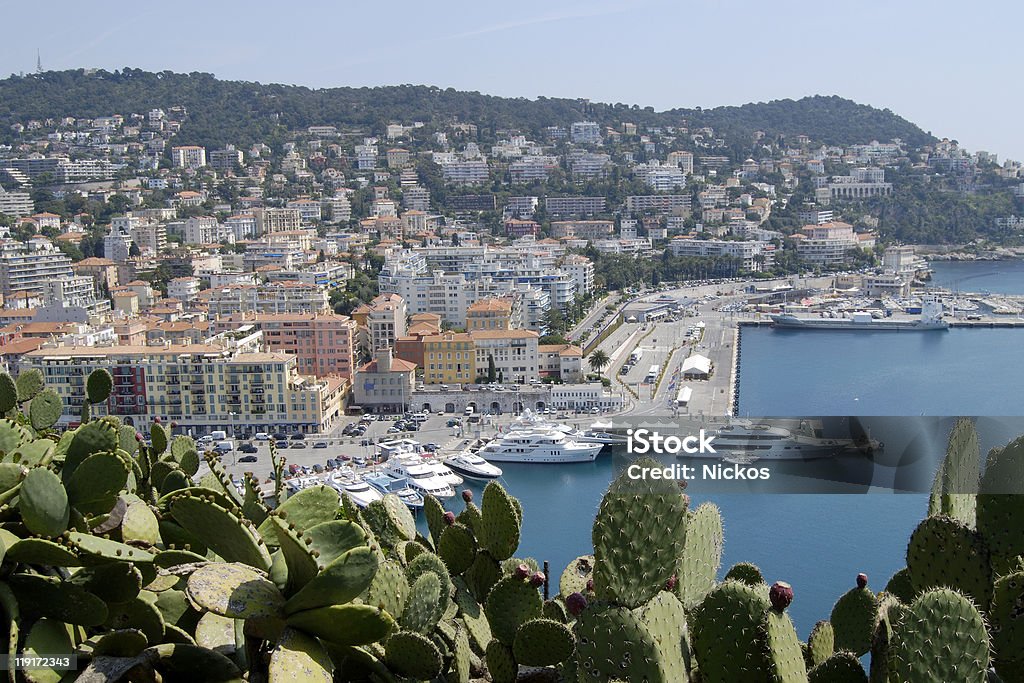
{"points": [[243, 112]]}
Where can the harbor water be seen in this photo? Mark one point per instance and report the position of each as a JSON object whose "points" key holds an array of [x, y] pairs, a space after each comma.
{"points": [[818, 543]]}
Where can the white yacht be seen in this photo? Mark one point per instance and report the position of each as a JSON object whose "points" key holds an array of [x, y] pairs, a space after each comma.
{"points": [[472, 466], [596, 433], [398, 486], [419, 476], [743, 441], [412, 450], [353, 485], [600, 432], [538, 445]]}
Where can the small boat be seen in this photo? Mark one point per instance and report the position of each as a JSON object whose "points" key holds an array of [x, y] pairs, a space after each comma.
{"points": [[355, 488], [398, 486], [418, 476], [472, 466]]}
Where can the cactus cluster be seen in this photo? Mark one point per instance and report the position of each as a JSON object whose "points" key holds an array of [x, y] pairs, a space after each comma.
{"points": [[112, 549]]}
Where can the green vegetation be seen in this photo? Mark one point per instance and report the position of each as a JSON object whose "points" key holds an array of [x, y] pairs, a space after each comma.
{"points": [[112, 550], [242, 113]]}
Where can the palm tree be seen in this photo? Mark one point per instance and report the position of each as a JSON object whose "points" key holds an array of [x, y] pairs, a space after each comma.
{"points": [[598, 360]]}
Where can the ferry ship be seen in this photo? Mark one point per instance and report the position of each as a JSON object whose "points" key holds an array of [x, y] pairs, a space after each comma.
{"points": [[538, 445], [931, 319]]}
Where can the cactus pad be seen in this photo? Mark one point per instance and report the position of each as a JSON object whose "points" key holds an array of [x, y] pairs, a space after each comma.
{"points": [[901, 586], [472, 615], [298, 657], [575, 577], [1000, 509], [633, 557], [702, 555], [457, 547], [785, 658], [1007, 619], [612, 643], [390, 520], [93, 486], [726, 632], [820, 644], [43, 503], [45, 596], [413, 655], [853, 620], [29, 383], [221, 531], [665, 620], [745, 572], [234, 590], [944, 551], [8, 393], [842, 667], [342, 580], [347, 624], [942, 638], [511, 603], [957, 479], [501, 664], [500, 521], [423, 608], [99, 385], [542, 642], [389, 589], [45, 409], [306, 508]]}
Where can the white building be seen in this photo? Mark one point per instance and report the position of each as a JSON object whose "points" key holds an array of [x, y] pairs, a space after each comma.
{"points": [[585, 132], [189, 156]]}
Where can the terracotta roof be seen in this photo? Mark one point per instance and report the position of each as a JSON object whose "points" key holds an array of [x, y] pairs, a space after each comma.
{"points": [[397, 365]]}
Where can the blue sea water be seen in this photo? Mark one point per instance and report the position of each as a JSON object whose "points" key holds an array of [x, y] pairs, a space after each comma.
{"points": [[816, 542], [999, 277]]}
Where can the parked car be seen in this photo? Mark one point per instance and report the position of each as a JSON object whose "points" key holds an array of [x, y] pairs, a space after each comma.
{"points": [[281, 444], [431, 447], [452, 423], [248, 448], [247, 458], [298, 444], [298, 436], [262, 436], [320, 444]]}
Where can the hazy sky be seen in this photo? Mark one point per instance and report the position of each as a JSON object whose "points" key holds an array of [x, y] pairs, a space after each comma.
{"points": [[952, 68]]}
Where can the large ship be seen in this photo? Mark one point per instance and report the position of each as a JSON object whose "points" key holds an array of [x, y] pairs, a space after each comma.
{"points": [[743, 440], [931, 319], [538, 445]]}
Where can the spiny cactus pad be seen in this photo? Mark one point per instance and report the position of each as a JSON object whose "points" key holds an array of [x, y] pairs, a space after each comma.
{"points": [[347, 624], [47, 596], [841, 667], [230, 537], [93, 486], [820, 644], [341, 581], [726, 632], [99, 385], [1007, 618], [298, 657], [746, 572], [613, 643], [702, 555], [29, 383], [957, 478], [423, 608], [942, 638], [414, 655], [306, 508], [511, 603], [665, 620], [944, 551], [43, 503], [8, 393], [1000, 509], [457, 547], [500, 521], [902, 586], [45, 409], [234, 590], [785, 658], [543, 642], [389, 589], [633, 555], [853, 620]]}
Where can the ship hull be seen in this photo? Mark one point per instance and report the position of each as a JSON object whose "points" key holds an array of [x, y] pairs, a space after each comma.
{"points": [[793, 323]]}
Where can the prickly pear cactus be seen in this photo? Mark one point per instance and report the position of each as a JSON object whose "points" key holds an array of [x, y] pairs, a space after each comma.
{"points": [[639, 534], [1000, 508], [942, 638], [702, 555], [957, 478], [726, 634], [853, 620], [944, 551], [841, 667], [1007, 619]]}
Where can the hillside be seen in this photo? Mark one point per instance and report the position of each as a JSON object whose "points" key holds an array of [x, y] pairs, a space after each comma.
{"points": [[243, 112]]}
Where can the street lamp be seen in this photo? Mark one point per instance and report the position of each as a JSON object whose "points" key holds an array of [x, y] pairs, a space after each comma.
{"points": [[231, 432]]}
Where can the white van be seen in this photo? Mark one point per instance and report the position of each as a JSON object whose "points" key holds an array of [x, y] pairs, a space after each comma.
{"points": [[418, 417], [224, 447], [219, 435], [469, 411]]}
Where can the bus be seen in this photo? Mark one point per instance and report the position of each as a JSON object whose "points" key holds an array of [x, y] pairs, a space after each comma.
{"points": [[652, 374], [635, 357]]}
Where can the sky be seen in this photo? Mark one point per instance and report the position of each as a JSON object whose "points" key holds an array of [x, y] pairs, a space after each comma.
{"points": [[950, 67]]}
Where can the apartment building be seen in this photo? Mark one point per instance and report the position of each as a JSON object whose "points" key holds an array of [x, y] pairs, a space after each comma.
{"points": [[449, 358], [15, 204], [586, 230], [385, 384], [25, 271], [560, 361], [188, 156], [200, 387], [658, 203], [682, 159], [532, 168], [103, 271], [184, 289], [226, 159], [828, 243], [271, 220], [585, 132], [381, 321], [574, 206], [514, 353], [466, 172], [753, 255], [269, 297], [581, 270], [494, 314]]}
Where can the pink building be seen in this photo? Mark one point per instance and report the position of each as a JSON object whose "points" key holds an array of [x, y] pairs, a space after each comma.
{"points": [[323, 344]]}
